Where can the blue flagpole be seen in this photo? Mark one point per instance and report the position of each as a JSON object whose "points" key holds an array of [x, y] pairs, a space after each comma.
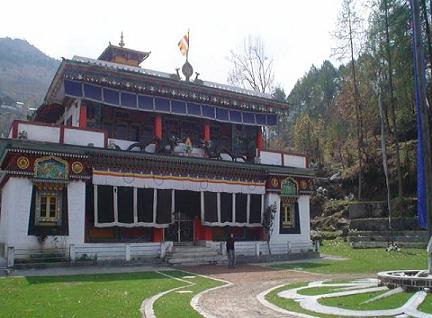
{"points": [[424, 173]]}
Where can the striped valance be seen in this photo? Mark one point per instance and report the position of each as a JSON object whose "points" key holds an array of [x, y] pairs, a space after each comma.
{"points": [[141, 180]]}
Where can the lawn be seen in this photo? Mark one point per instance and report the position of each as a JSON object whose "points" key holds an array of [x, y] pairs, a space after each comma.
{"points": [[177, 303], [290, 304], [354, 302], [365, 261], [361, 260], [102, 295]]}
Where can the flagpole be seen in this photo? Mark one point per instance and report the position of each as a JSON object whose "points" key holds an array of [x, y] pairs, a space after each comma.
{"points": [[187, 52]]}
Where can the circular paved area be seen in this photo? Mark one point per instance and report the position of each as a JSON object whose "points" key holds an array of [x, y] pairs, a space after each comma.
{"points": [[239, 300]]}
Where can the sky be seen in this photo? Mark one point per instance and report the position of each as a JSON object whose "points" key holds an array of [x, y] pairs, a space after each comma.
{"points": [[296, 34]]}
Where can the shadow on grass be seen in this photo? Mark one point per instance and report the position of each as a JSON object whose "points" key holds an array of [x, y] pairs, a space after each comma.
{"points": [[94, 278]]}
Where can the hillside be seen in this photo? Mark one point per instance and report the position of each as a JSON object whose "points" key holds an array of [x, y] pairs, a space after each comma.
{"points": [[25, 71]]}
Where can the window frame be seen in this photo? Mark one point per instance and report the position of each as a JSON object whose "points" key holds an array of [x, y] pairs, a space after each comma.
{"points": [[47, 220]]}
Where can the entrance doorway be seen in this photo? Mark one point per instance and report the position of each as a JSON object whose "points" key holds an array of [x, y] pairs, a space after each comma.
{"points": [[187, 207]]}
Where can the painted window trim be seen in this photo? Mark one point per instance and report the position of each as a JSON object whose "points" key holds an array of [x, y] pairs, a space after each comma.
{"points": [[47, 220]]}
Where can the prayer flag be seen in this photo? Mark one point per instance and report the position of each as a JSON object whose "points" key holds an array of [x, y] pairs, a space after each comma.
{"points": [[184, 44]]}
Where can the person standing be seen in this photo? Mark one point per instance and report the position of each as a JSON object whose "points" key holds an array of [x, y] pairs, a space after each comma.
{"points": [[230, 251]]}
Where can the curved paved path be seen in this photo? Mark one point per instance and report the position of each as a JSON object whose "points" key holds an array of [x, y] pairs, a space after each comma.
{"points": [[239, 300]]}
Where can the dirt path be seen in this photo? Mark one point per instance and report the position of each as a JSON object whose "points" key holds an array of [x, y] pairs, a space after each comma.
{"points": [[239, 300]]}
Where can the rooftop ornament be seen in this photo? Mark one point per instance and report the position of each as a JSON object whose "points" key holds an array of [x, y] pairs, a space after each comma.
{"points": [[121, 43]]}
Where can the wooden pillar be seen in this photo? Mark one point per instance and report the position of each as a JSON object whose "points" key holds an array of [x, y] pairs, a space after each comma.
{"points": [[82, 116], [158, 235], [206, 131], [259, 140], [158, 126], [208, 235]]}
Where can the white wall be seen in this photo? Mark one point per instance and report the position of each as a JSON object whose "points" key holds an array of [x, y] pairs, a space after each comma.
{"points": [[84, 137], [304, 214], [270, 158], [39, 132], [294, 161], [7, 205], [73, 111], [76, 211], [14, 222]]}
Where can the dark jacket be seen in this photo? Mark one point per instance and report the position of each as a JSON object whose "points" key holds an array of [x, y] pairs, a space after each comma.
{"points": [[230, 244]]}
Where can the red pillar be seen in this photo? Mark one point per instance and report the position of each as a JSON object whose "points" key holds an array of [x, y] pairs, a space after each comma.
{"points": [[158, 235], [208, 235], [206, 131], [259, 140], [82, 116], [158, 126]]}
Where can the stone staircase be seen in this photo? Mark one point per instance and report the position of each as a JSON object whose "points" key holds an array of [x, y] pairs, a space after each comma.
{"points": [[372, 239], [188, 255]]}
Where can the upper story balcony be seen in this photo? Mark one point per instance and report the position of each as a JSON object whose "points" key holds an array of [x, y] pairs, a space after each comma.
{"points": [[173, 145]]}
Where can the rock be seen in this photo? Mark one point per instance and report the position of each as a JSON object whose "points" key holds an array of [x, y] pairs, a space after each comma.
{"points": [[335, 177]]}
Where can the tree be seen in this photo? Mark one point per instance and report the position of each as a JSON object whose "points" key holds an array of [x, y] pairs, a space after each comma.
{"points": [[252, 68], [348, 29], [268, 223]]}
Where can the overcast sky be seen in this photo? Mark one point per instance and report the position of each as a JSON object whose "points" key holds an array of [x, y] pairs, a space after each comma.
{"points": [[296, 33]]}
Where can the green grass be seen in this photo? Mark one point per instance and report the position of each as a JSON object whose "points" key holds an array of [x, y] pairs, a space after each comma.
{"points": [[426, 305], [361, 260], [355, 302], [318, 290], [102, 295], [290, 304], [176, 304], [348, 302]]}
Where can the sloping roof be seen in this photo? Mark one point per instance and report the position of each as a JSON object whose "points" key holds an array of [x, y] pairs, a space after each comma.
{"points": [[113, 49], [147, 81], [144, 71], [17, 144]]}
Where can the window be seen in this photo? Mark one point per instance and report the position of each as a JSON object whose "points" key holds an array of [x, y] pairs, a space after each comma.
{"points": [[288, 216], [48, 207]]}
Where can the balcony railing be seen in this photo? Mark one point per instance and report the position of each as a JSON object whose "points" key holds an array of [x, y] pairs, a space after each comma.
{"points": [[98, 138]]}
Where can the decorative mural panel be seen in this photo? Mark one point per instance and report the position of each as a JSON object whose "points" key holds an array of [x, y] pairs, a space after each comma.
{"points": [[44, 166], [289, 187], [303, 185], [51, 168]]}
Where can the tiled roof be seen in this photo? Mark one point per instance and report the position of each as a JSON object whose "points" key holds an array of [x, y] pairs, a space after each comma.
{"points": [[140, 70]]}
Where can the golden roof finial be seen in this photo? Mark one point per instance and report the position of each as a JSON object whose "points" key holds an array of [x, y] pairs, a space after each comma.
{"points": [[121, 44]]}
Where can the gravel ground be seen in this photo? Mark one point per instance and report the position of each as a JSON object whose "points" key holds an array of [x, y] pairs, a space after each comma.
{"points": [[239, 300]]}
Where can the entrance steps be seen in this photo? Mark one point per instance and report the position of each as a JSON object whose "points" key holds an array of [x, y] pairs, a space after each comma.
{"points": [[3, 267], [195, 255]]}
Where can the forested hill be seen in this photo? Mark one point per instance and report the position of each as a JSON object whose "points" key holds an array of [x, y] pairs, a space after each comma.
{"points": [[25, 72], [334, 110]]}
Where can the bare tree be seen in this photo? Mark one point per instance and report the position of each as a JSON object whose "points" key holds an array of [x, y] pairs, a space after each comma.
{"points": [[349, 28], [393, 132], [251, 67]]}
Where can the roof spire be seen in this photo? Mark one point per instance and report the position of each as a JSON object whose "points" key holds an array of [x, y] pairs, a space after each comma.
{"points": [[121, 43]]}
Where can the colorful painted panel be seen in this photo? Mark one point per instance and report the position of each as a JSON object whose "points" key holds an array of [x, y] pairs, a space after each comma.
{"points": [[305, 186], [51, 168], [289, 187]]}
